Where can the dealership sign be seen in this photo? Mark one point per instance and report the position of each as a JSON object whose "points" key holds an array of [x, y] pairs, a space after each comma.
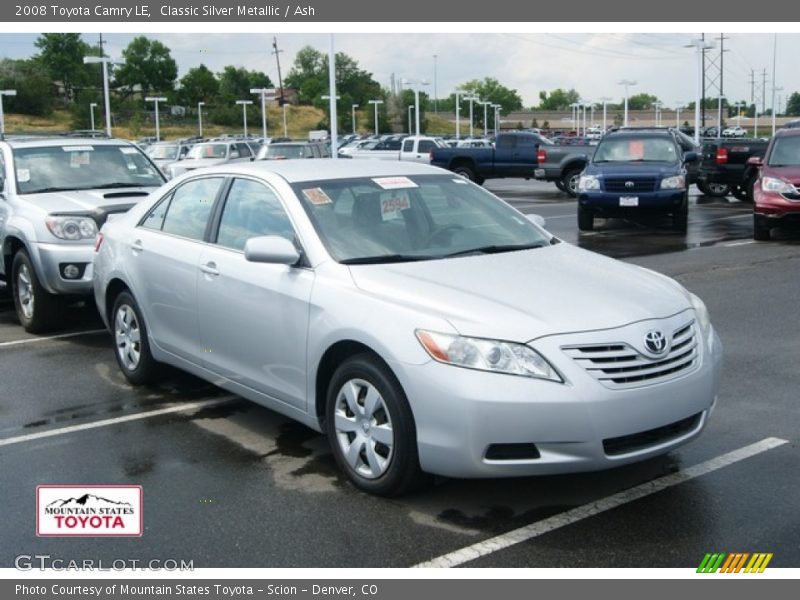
{"points": [[88, 510]]}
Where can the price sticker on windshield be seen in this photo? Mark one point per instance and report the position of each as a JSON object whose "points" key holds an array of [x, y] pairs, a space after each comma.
{"points": [[317, 196], [23, 175], [391, 207], [78, 148], [394, 183], [126, 150]]}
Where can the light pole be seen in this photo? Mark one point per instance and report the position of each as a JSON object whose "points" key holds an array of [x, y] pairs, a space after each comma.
{"points": [[416, 85], [156, 100], [353, 108], [91, 113], [263, 93], [486, 104], [333, 106], [375, 104], [700, 45], [604, 100], [410, 108], [738, 107], [575, 106], [333, 98], [657, 106], [200, 106], [244, 104], [2, 116], [626, 83], [774, 112], [457, 93], [88, 60], [435, 94], [678, 106], [719, 116], [472, 98], [496, 108]]}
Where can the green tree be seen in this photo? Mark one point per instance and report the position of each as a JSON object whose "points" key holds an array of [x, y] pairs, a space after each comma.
{"points": [[32, 85], [793, 105], [148, 64], [558, 99], [198, 85], [235, 83], [61, 56], [641, 101]]}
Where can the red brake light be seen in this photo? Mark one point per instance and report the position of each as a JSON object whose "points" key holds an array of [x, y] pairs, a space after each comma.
{"points": [[541, 155], [722, 156], [98, 241]]}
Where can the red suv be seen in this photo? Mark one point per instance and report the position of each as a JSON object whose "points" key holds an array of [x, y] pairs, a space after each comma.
{"points": [[776, 192]]}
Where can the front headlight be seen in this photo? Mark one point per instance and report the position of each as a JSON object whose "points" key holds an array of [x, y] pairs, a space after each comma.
{"points": [[72, 228], [676, 182], [702, 314], [588, 183], [487, 355], [777, 186]]}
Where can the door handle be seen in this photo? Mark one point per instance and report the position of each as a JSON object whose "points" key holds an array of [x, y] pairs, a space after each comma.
{"points": [[210, 268], [137, 247]]}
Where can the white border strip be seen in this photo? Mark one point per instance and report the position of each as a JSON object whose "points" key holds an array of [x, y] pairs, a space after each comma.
{"points": [[523, 534], [106, 422], [60, 336]]}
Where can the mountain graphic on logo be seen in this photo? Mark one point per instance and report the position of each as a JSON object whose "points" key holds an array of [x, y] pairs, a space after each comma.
{"points": [[87, 500]]}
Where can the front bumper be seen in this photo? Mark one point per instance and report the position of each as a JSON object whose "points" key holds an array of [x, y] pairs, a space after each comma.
{"points": [[776, 210], [608, 203], [49, 260], [460, 413]]}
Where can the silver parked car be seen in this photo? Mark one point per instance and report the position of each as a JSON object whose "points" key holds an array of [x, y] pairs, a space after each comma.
{"points": [[211, 154], [422, 323]]}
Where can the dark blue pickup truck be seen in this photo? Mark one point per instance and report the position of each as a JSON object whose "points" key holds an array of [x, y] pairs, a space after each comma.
{"points": [[513, 155], [635, 173]]}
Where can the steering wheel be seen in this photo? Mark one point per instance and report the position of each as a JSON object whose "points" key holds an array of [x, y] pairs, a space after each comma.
{"points": [[438, 231]]}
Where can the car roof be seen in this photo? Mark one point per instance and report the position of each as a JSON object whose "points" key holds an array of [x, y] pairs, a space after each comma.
{"points": [[791, 132], [328, 168], [641, 133], [42, 142]]}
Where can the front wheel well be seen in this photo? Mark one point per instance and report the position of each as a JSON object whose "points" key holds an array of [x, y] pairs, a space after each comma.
{"points": [[330, 361], [10, 248], [115, 288]]}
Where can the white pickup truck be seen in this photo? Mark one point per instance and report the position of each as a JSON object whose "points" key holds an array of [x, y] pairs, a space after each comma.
{"points": [[412, 148]]}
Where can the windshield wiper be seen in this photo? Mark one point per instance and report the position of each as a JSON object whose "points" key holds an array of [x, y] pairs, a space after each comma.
{"points": [[497, 248], [120, 184], [386, 258], [52, 189]]}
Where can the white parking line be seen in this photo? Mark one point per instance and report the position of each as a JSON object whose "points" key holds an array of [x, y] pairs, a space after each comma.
{"points": [[60, 336], [740, 243], [500, 542], [127, 418]]}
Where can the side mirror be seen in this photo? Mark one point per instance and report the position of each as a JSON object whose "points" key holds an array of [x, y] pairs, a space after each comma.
{"points": [[537, 220], [756, 161], [690, 157], [271, 249]]}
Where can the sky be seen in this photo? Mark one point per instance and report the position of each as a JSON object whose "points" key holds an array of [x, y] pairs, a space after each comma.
{"points": [[527, 62]]}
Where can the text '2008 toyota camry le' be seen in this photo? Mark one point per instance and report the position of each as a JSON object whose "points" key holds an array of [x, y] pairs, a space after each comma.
{"points": [[418, 320]]}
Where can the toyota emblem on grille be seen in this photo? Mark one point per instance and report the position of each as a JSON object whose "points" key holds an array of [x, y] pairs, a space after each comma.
{"points": [[655, 342], [629, 184]]}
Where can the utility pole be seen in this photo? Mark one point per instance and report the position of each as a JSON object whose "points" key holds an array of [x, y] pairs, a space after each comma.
{"points": [[703, 98], [281, 100]]}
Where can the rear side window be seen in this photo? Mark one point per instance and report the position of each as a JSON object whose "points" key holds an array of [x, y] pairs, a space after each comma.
{"points": [[186, 212], [408, 146], [251, 210], [507, 141]]}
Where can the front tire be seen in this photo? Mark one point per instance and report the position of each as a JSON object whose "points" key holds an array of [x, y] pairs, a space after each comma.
{"points": [[371, 428], [680, 218], [761, 231], [131, 342], [585, 219], [38, 310], [570, 181]]}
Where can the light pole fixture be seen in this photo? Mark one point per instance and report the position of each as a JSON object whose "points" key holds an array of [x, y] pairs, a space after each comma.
{"points": [[2, 116], [263, 93], [354, 107], [156, 100], [105, 61], [200, 106], [244, 104], [91, 113], [604, 100], [375, 104], [627, 83]]}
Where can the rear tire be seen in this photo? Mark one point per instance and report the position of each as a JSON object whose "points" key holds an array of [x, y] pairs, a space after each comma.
{"points": [[38, 310], [761, 230], [371, 429], [466, 172], [132, 342], [585, 219], [715, 190], [560, 185]]}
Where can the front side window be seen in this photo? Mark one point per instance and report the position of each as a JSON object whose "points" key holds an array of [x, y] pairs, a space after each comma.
{"points": [[785, 152], [82, 167], [189, 208], [251, 210], [426, 146], [419, 217]]}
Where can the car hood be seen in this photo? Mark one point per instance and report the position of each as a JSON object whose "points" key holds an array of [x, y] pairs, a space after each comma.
{"points": [[81, 201], [520, 296], [634, 169], [790, 174]]}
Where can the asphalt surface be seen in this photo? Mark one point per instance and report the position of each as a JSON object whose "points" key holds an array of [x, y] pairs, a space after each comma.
{"points": [[235, 485]]}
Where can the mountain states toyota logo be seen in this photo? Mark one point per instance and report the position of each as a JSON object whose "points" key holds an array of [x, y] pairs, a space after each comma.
{"points": [[89, 510]]}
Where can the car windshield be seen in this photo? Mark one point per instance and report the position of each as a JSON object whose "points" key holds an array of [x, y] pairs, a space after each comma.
{"points": [[276, 151], [209, 151], [163, 151], [785, 152], [420, 217], [636, 149], [84, 167]]}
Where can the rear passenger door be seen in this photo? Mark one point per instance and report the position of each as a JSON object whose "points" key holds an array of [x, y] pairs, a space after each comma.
{"points": [[254, 316]]}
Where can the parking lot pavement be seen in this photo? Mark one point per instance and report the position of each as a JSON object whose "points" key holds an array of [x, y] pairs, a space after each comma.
{"points": [[228, 483]]}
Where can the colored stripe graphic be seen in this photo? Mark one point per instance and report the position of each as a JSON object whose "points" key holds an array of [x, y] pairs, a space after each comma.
{"points": [[711, 562], [759, 562]]}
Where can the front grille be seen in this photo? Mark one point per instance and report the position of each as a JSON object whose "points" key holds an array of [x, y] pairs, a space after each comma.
{"points": [[617, 184], [652, 437], [618, 365], [512, 452]]}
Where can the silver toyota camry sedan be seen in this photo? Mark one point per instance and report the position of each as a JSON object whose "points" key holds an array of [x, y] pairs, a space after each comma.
{"points": [[419, 321]]}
